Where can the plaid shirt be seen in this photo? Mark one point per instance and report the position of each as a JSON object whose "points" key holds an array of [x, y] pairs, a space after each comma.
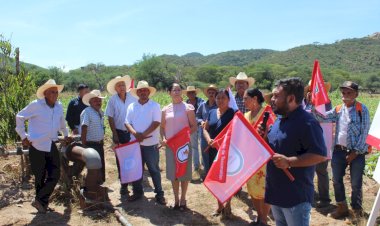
{"points": [[357, 129], [240, 104]]}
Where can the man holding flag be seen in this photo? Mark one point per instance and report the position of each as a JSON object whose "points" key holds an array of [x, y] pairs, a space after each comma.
{"points": [[142, 121], [297, 139], [352, 126]]}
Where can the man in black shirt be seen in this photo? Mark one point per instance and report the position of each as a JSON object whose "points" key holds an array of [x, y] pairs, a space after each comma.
{"points": [[75, 108]]}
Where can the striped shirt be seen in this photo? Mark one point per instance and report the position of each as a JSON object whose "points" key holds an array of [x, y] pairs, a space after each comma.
{"points": [[117, 109], [95, 124], [240, 104]]}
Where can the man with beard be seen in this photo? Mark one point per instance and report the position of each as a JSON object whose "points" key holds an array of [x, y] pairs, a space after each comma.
{"points": [[297, 140]]}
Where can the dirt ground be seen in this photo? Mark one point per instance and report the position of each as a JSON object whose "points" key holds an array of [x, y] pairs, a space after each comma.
{"points": [[16, 198]]}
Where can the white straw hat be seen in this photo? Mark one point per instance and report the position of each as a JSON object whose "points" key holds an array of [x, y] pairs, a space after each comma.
{"points": [[111, 84], [242, 77], [49, 84], [141, 85], [88, 96]]}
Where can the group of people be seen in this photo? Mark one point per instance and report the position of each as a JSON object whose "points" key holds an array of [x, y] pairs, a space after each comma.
{"points": [[296, 137]]}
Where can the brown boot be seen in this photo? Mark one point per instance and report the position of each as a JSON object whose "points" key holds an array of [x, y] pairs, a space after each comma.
{"points": [[341, 211]]}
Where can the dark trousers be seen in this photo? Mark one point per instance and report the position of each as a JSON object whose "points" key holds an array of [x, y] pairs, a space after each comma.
{"points": [[323, 181], [150, 156], [100, 149], [46, 170], [124, 137]]}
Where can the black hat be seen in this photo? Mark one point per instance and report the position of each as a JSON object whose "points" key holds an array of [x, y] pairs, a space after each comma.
{"points": [[350, 85]]}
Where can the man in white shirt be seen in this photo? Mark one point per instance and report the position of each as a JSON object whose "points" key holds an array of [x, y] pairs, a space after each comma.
{"points": [[142, 121], [45, 117], [116, 111], [92, 125]]}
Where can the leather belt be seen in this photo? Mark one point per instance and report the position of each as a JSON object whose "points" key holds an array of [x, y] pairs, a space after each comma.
{"points": [[95, 142], [339, 147]]}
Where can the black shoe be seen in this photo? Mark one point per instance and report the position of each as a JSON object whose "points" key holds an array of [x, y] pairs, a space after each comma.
{"points": [[322, 204], [134, 197], [36, 204], [161, 200], [124, 189]]}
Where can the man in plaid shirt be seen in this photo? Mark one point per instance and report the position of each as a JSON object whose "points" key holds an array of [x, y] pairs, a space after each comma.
{"points": [[352, 126], [241, 83]]}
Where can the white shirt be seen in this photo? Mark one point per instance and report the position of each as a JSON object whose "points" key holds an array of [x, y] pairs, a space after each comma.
{"points": [[95, 124], [344, 119], [140, 117], [117, 109], [44, 123]]}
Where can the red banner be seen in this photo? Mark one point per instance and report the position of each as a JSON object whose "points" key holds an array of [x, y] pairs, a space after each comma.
{"points": [[245, 152], [179, 144], [272, 117], [318, 91]]}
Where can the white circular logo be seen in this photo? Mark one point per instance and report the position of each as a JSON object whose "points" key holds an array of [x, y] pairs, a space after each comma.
{"points": [[235, 161], [129, 164], [183, 153]]}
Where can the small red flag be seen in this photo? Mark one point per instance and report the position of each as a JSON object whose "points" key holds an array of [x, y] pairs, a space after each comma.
{"points": [[271, 120], [319, 97], [179, 144]]}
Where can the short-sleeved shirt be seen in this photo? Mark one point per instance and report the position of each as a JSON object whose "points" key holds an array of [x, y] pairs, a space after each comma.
{"points": [[140, 117], [117, 109], [94, 121], [298, 133]]}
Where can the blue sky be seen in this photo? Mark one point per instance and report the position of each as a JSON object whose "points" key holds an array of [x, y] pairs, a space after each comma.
{"points": [[70, 34]]}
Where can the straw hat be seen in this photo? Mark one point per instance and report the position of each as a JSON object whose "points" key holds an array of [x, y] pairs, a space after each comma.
{"points": [[307, 88], [141, 85], [49, 84], [268, 97], [88, 96], [212, 86], [242, 77], [190, 89], [111, 84]]}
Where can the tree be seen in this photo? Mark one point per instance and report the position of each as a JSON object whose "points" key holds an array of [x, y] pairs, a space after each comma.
{"points": [[15, 91]]}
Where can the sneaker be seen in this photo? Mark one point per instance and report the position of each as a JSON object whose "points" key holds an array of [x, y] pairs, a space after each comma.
{"points": [[161, 200], [36, 204]]}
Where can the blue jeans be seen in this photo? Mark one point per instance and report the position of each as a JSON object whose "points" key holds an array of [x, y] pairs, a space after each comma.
{"points": [[298, 215], [150, 156], [194, 140], [339, 165]]}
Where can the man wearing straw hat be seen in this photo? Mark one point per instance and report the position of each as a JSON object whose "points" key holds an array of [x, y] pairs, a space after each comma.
{"points": [[191, 93], [92, 125], [142, 121], [241, 83], [201, 116], [45, 117], [116, 111], [321, 168]]}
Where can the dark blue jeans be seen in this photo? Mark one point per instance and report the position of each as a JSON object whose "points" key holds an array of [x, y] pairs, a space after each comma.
{"points": [[339, 165], [150, 156]]}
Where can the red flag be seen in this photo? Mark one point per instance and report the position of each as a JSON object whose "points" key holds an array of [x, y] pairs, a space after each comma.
{"points": [[373, 137], [179, 144], [272, 117], [247, 152], [319, 97], [132, 84], [130, 162]]}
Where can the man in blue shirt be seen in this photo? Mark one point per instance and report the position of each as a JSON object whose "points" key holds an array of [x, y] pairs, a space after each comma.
{"points": [[352, 126], [297, 139]]}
